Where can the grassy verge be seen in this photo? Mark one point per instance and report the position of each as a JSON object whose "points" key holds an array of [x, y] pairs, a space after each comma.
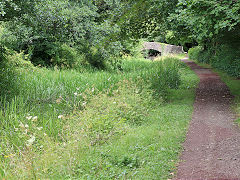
{"points": [[97, 125], [234, 86]]}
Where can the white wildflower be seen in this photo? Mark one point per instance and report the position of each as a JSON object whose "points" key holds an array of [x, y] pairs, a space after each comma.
{"points": [[78, 89], [26, 126], [58, 101], [29, 117], [60, 116], [93, 89], [21, 125], [34, 118], [84, 103], [75, 93], [30, 141], [25, 131], [39, 128]]}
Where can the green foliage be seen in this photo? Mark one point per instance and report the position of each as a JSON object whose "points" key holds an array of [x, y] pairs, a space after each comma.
{"points": [[106, 27], [223, 57], [213, 24], [97, 125], [227, 59], [151, 23], [65, 56], [165, 76], [6, 7], [95, 57], [194, 52], [18, 60], [51, 25], [8, 78], [206, 19], [234, 86], [61, 55]]}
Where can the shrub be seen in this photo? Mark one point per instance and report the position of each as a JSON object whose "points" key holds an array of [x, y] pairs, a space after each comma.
{"points": [[222, 57], [94, 56], [133, 48], [228, 60], [19, 60], [66, 56], [194, 52], [8, 77], [52, 54]]}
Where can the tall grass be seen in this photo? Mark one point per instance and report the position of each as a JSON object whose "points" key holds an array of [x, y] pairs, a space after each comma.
{"points": [[61, 119]]}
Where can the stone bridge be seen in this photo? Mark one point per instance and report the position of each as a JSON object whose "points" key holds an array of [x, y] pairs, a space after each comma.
{"points": [[164, 49]]}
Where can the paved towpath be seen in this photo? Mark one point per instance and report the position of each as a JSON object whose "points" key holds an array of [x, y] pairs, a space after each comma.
{"points": [[212, 147]]}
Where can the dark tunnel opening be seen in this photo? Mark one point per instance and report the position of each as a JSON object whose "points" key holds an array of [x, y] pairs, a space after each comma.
{"points": [[151, 54]]}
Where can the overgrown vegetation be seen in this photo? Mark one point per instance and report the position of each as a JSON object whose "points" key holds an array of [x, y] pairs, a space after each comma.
{"points": [[96, 124], [224, 58], [75, 33], [77, 99], [61, 33], [216, 32]]}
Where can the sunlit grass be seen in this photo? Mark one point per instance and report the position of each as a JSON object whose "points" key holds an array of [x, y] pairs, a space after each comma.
{"points": [[97, 125], [234, 86]]}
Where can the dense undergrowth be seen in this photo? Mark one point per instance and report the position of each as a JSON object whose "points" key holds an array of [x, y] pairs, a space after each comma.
{"points": [[224, 57], [66, 124]]}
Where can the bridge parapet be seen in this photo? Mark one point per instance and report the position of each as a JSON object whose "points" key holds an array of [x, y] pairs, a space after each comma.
{"points": [[163, 48]]}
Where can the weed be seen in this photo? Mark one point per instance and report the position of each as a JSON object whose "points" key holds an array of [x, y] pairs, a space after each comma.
{"points": [[66, 124]]}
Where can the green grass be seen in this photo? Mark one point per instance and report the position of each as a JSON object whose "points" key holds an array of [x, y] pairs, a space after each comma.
{"points": [[234, 86], [97, 125]]}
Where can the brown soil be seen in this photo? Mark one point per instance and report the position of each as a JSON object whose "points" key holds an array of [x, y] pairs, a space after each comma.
{"points": [[212, 147]]}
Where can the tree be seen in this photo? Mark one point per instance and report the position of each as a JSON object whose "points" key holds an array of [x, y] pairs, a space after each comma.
{"points": [[206, 19]]}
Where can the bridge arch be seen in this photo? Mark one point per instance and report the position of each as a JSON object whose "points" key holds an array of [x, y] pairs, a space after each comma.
{"points": [[162, 48]]}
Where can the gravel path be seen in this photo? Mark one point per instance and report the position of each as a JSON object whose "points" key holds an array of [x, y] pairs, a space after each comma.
{"points": [[212, 147]]}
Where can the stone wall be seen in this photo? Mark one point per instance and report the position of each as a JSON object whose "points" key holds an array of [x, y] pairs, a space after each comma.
{"points": [[163, 48]]}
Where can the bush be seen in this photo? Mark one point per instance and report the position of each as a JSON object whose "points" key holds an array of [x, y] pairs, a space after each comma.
{"points": [[133, 48], [18, 60], [8, 77], [228, 60], [223, 57], [194, 52], [94, 56], [66, 56], [52, 54]]}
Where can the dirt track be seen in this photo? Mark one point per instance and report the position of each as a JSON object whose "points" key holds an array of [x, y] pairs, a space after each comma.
{"points": [[212, 147]]}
